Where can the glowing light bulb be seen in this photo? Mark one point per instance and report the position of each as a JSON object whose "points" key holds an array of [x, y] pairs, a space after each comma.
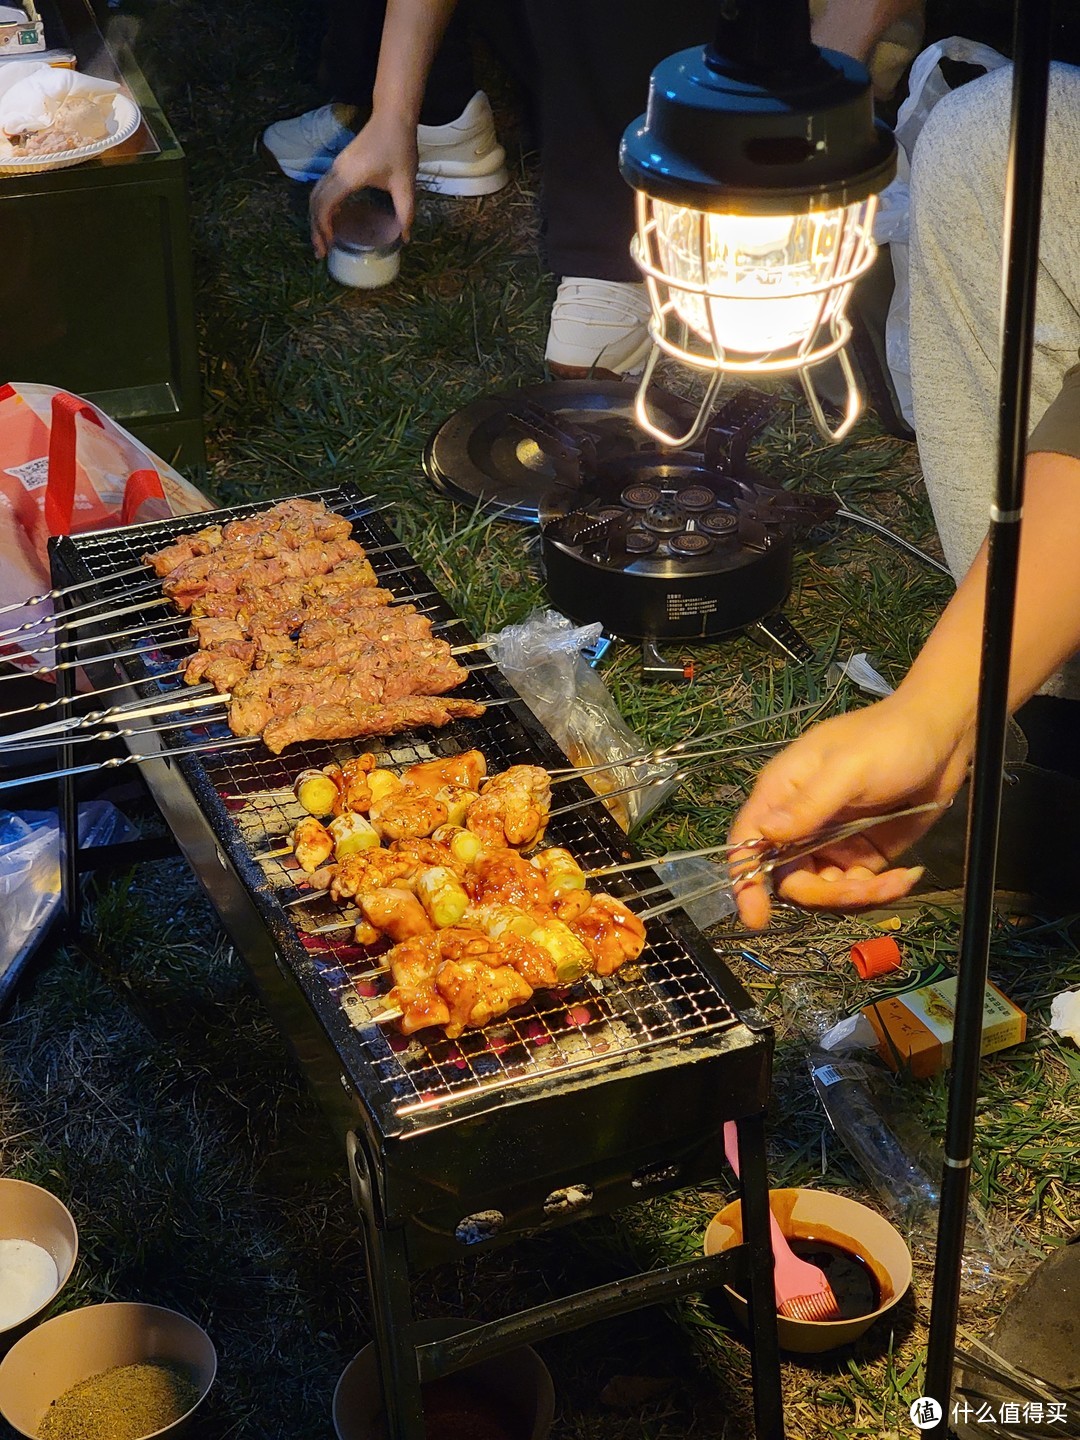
{"points": [[753, 284]]}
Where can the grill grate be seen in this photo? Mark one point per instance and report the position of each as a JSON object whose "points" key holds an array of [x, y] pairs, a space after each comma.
{"points": [[668, 996]]}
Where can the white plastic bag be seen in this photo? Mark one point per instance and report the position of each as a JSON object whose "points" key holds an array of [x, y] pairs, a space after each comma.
{"points": [[926, 86]]}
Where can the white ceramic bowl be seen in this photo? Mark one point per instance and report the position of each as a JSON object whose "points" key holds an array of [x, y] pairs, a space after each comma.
{"points": [[46, 1363], [27, 1212], [519, 1381]]}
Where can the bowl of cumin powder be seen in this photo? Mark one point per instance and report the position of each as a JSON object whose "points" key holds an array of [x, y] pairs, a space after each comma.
{"points": [[119, 1371]]}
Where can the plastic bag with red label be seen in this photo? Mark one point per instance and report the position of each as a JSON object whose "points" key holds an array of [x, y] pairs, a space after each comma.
{"points": [[66, 467]]}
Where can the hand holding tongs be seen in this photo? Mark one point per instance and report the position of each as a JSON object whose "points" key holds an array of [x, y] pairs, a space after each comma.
{"points": [[757, 859]]}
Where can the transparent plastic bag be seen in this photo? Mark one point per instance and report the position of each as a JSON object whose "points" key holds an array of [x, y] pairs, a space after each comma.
{"points": [[30, 874], [542, 658], [926, 86]]}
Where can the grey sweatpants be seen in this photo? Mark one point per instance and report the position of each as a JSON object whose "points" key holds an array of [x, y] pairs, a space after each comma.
{"points": [[957, 199]]}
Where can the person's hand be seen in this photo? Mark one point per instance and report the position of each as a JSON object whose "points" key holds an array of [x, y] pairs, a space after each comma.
{"points": [[885, 757], [383, 156]]}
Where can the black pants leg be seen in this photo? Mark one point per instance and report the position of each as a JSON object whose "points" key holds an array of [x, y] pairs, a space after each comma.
{"points": [[350, 55], [594, 58]]}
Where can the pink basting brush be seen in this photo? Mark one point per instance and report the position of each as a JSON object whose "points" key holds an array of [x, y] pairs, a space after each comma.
{"points": [[802, 1292]]}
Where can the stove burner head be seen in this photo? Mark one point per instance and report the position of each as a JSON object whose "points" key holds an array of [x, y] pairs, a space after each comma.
{"points": [[719, 523], [642, 496], [694, 498], [640, 542], [663, 519], [690, 545], [610, 513]]}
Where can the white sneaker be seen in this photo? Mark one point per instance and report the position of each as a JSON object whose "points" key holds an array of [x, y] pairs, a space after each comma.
{"points": [[598, 326], [304, 148], [464, 157]]}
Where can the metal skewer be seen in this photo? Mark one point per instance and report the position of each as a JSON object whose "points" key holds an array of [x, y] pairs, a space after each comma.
{"points": [[101, 690], [43, 671], [56, 621], [46, 742], [70, 589], [134, 630], [135, 710], [658, 754], [208, 748]]}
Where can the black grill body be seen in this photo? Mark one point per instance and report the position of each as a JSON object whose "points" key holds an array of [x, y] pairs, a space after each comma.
{"points": [[576, 1104]]}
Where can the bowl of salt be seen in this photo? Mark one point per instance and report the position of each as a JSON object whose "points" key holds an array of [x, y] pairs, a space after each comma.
{"points": [[38, 1247]]}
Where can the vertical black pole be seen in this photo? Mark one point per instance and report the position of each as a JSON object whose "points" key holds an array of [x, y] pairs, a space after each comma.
{"points": [[764, 1341], [1023, 199]]}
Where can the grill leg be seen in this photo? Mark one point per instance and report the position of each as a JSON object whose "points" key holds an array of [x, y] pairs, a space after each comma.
{"points": [[764, 1347], [391, 1294], [69, 817], [391, 1309]]}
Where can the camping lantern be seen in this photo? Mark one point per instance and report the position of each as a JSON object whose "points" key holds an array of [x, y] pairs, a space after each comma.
{"points": [[757, 165]]}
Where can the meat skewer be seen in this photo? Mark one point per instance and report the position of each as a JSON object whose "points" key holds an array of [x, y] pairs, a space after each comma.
{"points": [[133, 569], [354, 665]]}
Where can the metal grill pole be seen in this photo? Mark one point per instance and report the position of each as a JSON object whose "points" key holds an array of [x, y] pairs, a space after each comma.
{"points": [[68, 807], [1023, 200]]}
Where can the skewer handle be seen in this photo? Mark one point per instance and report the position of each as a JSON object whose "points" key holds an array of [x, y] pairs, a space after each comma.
{"points": [[274, 855], [67, 589], [386, 1017]]}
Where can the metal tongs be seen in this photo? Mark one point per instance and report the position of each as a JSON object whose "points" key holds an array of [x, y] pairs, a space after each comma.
{"points": [[749, 861], [757, 859]]}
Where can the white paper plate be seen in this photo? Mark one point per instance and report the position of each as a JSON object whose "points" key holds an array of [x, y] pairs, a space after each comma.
{"points": [[125, 121]]}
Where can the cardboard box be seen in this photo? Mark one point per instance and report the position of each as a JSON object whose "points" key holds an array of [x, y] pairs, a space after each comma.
{"points": [[915, 1028]]}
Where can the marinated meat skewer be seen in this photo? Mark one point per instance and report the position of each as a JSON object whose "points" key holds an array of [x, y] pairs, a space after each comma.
{"points": [[291, 523], [294, 631], [345, 720], [319, 643]]}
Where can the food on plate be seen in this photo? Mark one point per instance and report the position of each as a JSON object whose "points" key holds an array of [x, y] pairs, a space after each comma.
{"points": [[47, 111], [294, 630]]}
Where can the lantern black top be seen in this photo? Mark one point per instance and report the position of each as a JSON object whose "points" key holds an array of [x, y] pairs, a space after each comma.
{"points": [[752, 131]]}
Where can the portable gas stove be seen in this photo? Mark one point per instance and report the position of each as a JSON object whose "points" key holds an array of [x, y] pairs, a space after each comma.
{"points": [[580, 1102], [654, 544]]}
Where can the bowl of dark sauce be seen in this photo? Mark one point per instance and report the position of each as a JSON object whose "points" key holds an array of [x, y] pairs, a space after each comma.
{"points": [[863, 1257], [510, 1397]]}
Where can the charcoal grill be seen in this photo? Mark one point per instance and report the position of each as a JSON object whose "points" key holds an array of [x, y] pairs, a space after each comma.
{"points": [[575, 1105]]}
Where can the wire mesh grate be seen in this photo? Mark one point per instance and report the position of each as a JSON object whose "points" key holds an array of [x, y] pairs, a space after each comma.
{"points": [[667, 996]]}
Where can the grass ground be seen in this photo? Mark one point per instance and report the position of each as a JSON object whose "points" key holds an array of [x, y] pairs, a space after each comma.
{"points": [[139, 1077]]}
